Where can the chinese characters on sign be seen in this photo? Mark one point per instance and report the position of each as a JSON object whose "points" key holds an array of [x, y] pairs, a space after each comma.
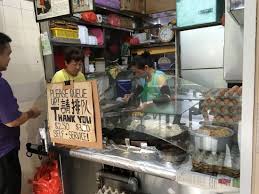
{"points": [[71, 113]]}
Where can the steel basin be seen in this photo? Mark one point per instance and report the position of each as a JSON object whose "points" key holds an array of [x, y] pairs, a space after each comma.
{"points": [[209, 143]]}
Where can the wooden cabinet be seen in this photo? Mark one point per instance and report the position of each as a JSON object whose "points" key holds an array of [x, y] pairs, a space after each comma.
{"points": [[155, 6]]}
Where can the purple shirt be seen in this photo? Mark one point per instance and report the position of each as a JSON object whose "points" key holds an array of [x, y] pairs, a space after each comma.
{"points": [[9, 111]]}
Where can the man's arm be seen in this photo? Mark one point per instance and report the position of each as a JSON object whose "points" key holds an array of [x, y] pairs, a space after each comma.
{"points": [[9, 109], [25, 116]]}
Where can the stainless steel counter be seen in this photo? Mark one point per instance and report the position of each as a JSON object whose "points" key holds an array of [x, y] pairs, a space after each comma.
{"points": [[129, 161], [152, 165]]}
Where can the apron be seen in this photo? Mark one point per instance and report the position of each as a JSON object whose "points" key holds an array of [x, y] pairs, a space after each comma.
{"points": [[151, 89]]}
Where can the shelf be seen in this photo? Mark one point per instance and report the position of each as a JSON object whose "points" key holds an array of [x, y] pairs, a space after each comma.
{"points": [[72, 42], [152, 45], [100, 8], [154, 49], [82, 22]]}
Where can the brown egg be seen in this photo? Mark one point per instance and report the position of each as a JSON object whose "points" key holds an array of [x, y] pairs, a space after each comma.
{"points": [[235, 88], [230, 120], [233, 110], [239, 91], [225, 110], [230, 93], [205, 109], [208, 101], [226, 117], [236, 118], [221, 120], [230, 103], [226, 101], [235, 102], [222, 92], [217, 118], [218, 101]]}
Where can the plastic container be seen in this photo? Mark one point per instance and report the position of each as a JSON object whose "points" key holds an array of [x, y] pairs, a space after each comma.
{"points": [[123, 87], [64, 33], [83, 34], [109, 3], [98, 33], [100, 66]]}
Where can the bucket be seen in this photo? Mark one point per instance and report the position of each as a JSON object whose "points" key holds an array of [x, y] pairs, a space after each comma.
{"points": [[123, 87]]}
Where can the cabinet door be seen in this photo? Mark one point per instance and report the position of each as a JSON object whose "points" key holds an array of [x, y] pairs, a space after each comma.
{"points": [[202, 48], [210, 78], [156, 6]]}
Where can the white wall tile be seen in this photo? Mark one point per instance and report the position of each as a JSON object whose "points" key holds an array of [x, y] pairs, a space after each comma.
{"points": [[12, 3], [31, 37], [13, 16], [16, 34], [29, 21], [38, 56], [1, 18], [26, 4], [17, 57]]}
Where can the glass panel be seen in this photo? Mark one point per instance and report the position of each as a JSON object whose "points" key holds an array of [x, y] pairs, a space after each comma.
{"points": [[196, 120]]}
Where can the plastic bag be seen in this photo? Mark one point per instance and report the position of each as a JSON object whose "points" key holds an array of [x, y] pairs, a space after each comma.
{"points": [[47, 179], [114, 20], [89, 17]]}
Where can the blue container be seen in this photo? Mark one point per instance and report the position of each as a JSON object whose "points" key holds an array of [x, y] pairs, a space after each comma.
{"points": [[123, 87], [196, 12]]}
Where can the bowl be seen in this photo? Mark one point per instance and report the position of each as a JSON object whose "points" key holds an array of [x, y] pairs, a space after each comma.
{"points": [[207, 142]]}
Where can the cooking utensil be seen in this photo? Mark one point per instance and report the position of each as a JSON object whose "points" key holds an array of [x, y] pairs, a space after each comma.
{"points": [[210, 143]]}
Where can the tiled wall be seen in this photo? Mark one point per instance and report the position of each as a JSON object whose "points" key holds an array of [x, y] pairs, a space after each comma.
{"points": [[25, 72]]}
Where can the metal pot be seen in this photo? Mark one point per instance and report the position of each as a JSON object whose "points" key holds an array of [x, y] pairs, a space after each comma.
{"points": [[175, 158], [111, 119], [209, 143]]}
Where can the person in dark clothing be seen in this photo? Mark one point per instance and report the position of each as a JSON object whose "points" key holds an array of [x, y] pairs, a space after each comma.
{"points": [[10, 120]]}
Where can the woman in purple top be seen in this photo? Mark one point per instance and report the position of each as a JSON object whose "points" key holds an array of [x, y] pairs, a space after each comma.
{"points": [[10, 120]]}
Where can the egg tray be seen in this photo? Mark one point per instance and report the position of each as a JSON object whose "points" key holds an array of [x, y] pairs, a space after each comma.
{"points": [[109, 190], [214, 169], [223, 115], [226, 102], [223, 109], [234, 92]]}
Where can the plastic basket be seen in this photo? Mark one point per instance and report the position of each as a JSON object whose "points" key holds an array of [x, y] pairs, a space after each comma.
{"points": [[64, 33]]}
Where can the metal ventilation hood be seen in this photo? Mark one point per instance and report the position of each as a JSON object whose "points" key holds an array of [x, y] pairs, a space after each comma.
{"points": [[236, 9]]}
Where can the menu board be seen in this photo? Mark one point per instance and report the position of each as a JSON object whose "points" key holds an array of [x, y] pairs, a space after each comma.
{"points": [[47, 9], [82, 5], [74, 114]]}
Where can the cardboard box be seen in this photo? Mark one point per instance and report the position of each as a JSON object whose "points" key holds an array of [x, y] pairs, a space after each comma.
{"points": [[138, 6], [127, 23], [155, 6]]}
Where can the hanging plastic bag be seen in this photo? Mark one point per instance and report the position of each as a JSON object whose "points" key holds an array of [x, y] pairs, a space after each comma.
{"points": [[47, 179]]}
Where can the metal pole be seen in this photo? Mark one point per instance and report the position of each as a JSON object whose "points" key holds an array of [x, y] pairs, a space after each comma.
{"points": [[61, 172]]}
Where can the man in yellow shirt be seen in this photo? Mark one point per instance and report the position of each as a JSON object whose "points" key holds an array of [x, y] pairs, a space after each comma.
{"points": [[74, 59]]}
